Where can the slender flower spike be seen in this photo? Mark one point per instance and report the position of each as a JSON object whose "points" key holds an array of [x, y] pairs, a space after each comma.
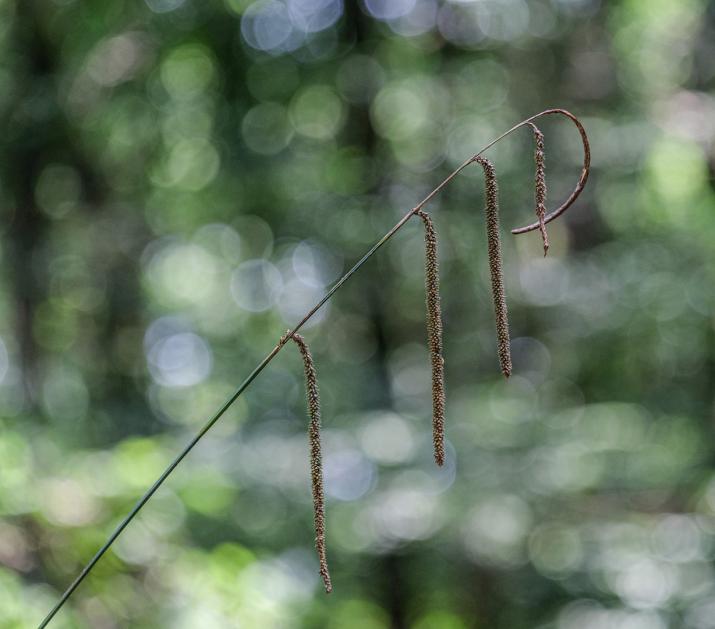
{"points": [[316, 466], [434, 335], [540, 184], [495, 264]]}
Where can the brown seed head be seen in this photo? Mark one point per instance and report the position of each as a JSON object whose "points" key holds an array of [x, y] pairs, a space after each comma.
{"points": [[495, 264], [316, 466], [434, 335], [540, 183]]}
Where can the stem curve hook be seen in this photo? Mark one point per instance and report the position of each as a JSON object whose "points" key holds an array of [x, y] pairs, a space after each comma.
{"points": [[584, 171]]}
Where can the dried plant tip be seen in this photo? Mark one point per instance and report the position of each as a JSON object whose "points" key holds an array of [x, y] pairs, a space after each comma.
{"points": [[316, 466], [495, 264], [434, 335], [540, 184]]}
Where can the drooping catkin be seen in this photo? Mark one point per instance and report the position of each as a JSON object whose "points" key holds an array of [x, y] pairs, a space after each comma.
{"points": [[495, 265], [316, 465], [540, 183], [434, 335]]}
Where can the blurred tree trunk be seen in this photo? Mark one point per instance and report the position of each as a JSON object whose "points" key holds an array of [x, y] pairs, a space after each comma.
{"points": [[376, 286], [32, 129]]}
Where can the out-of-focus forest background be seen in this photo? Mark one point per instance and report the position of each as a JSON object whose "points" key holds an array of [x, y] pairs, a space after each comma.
{"points": [[182, 179]]}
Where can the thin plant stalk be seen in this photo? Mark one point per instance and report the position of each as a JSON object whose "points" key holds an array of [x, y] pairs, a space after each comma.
{"points": [[272, 354]]}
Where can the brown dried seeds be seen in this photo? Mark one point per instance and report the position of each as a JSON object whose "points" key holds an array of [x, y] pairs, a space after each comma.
{"points": [[540, 183], [434, 335], [495, 264], [316, 466]]}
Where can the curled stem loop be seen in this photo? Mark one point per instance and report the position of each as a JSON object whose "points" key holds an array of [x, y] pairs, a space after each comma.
{"points": [[585, 170]]}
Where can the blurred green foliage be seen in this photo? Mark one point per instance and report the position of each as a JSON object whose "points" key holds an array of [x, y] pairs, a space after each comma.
{"points": [[182, 180]]}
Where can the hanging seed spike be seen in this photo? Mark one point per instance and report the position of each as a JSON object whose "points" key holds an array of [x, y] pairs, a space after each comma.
{"points": [[495, 265], [316, 465], [540, 183], [434, 335]]}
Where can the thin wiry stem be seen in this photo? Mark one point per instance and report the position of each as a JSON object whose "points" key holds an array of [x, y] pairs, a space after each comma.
{"points": [[495, 265], [434, 335], [316, 464], [585, 170], [272, 354], [540, 183]]}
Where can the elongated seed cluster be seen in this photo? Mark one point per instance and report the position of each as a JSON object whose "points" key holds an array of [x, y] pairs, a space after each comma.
{"points": [[434, 335], [540, 183], [495, 264], [316, 465]]}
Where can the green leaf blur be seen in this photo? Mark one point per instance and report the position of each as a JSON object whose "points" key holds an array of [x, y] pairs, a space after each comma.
{"points": [[182, 180]]}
